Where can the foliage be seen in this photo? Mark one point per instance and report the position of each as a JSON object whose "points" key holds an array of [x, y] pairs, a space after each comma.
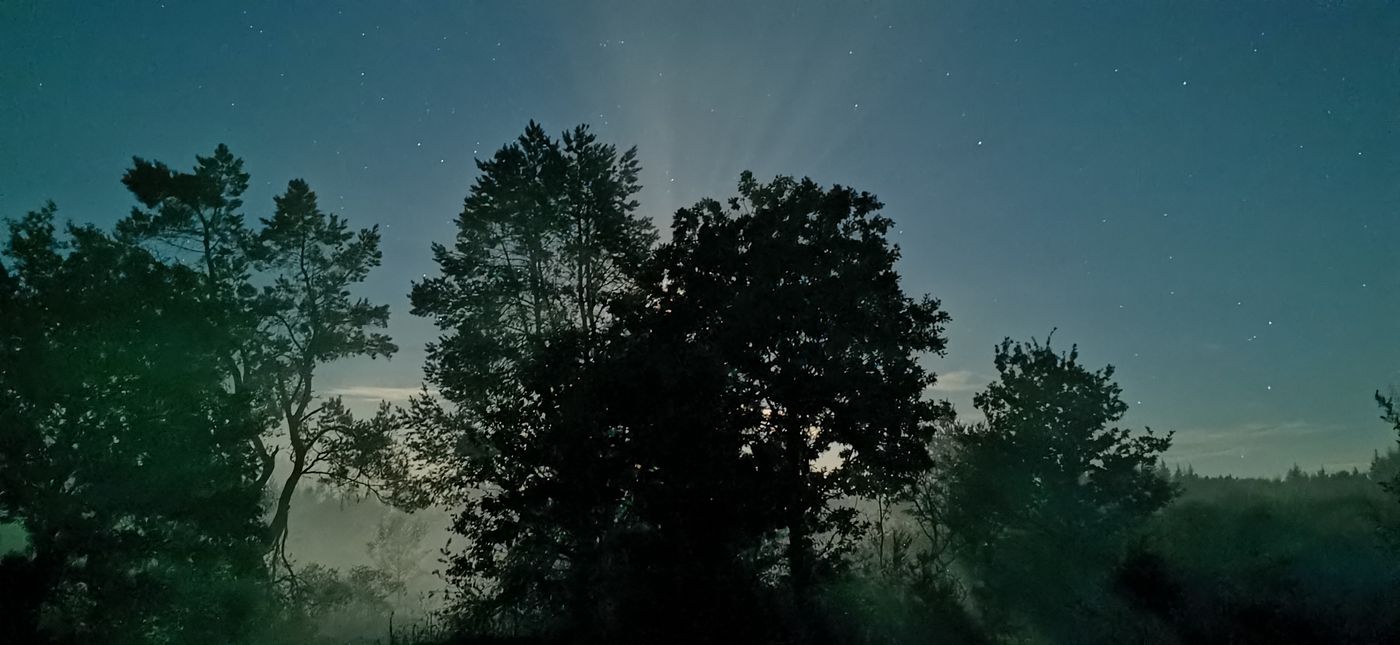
{"points": [[310, 319], [774, 332], [1304, 559], [143, 378], [790, 293], [1390, 413], [121, 453], [904, 589], [545, 241], [1044, 494], [302, 317]]}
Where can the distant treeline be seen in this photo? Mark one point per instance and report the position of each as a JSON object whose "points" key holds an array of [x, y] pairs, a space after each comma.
{"points": [[727, 437]]}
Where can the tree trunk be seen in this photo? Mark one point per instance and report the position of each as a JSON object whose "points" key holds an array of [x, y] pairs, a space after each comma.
{"points": [[799, 536], [277, 528], [799, 552]]}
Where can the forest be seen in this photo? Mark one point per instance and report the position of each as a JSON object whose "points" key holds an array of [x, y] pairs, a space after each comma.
{"points": [[725, 432]]}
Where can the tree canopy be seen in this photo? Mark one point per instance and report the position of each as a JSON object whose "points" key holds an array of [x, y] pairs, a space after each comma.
{"points": [[607, 398], [151, 378], [121, 453], [1049, 489], [282, 294], [546, 240]]}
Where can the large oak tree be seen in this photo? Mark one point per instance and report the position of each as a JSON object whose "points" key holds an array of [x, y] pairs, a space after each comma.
{"points": [[792, 288]]}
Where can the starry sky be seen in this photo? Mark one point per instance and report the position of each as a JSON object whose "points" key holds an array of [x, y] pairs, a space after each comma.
{"points": [[1204, 194]]}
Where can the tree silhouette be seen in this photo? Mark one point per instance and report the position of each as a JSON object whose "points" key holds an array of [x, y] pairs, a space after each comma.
{"points": [[794, 287], [1045, 492], [545, 241], [771, 333], [125, 458], [310, 319], [645, 456], [196, 215], [1390, 413], [276, 337]]}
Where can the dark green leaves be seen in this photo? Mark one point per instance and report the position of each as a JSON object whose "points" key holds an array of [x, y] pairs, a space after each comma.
{"points": [[1042, 497], [546, 242], [315, 259], [121, 452]]}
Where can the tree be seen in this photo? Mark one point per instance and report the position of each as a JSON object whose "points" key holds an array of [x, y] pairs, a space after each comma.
{"points": [[316, 259], [662, 491], [304, 316], [793, 288], [196, 215], [548, 237], [121, 453], [1046, 490], [544, 242], [1390, 413], [769, 335]]}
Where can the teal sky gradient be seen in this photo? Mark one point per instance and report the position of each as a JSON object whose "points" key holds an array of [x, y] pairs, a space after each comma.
{"points": [[1204, 194]]}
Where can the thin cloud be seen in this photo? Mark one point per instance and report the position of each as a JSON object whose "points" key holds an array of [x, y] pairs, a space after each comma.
{"points": [[1257, 430], [1212, 442], [959, 381], [376, 393]]}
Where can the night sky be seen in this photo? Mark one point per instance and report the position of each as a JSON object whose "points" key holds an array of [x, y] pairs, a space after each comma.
{"points": [[1206, 195]]}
